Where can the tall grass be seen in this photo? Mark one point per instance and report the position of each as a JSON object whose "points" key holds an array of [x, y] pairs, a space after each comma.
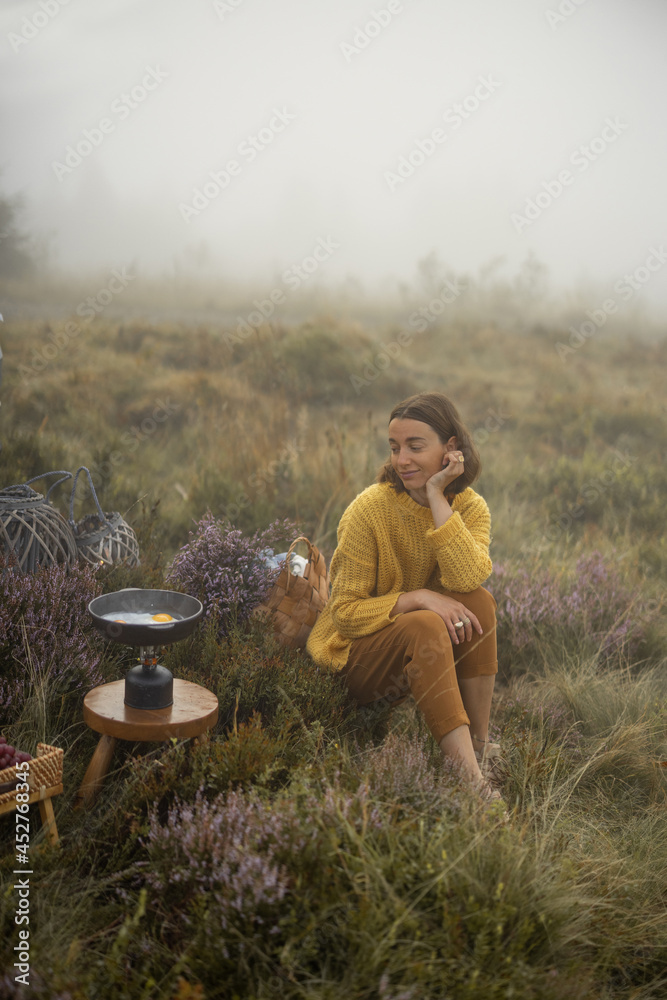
{"points": [[309, 848]]}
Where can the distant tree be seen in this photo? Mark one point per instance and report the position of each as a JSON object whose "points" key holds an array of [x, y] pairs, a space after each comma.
{"points": [[15, 257], [532, 281]]}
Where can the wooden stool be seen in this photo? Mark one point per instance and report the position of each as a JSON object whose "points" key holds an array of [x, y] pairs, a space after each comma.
{"points": [[195, 709]]}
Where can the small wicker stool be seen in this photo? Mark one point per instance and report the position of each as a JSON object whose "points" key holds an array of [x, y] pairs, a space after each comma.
{"points": [[43, 799], [45, 781]]}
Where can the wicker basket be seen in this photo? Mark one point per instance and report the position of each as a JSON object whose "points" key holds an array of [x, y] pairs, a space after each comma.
{"points": [[106, 542], [32, 531], [295, 601], [102, 539], [46, 770]]}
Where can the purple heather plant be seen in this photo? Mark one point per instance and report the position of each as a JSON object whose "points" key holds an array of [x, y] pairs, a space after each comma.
{"points": [[226, 865], [598, 603], [225, 852], [44, 623], [553, 720], [226, 571], [384, 990], [355, 808], [402, 771]]}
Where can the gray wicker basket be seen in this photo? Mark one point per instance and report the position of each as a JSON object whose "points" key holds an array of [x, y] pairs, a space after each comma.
{"points": [[33, 532], [102, 539]]}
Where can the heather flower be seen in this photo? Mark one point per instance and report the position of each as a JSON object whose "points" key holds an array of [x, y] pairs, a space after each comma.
{"points": [[402, 771], [356, 809], [384, 988], [227, 572], [526, 602], [44, 625], [226, 855], [223, 868], [550, 718], [601, 602], [596, 604]]}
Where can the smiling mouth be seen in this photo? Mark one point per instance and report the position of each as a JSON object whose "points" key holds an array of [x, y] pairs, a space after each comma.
{"points": [[406, 475]]}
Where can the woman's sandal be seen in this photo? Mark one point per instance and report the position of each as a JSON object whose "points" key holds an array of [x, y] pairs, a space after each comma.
{"points": [[488, 760], [495, 805]]}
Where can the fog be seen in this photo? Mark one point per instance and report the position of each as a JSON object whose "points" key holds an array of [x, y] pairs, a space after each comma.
{"points": [[234, 137]]}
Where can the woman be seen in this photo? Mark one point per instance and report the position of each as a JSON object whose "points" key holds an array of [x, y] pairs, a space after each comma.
{"points": [[407, 612]]}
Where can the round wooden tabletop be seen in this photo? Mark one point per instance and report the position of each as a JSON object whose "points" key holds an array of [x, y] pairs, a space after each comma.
{"points": [[195, 709]]}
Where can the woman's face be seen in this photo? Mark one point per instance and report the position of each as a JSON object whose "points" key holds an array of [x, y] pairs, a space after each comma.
{"points": [[417, 452]]}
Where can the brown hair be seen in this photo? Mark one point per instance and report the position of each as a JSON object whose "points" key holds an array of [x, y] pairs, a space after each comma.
{"points": [[436, 410]]}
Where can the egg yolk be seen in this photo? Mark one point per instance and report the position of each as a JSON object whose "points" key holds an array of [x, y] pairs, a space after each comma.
{"points": [[121, 620], [162, 618]]}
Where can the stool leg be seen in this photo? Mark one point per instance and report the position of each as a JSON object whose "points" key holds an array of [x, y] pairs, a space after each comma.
{"points": [[49, 820], [97, 769]]}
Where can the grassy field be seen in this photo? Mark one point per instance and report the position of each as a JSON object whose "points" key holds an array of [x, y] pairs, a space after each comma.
{"points": [[310, 849]]}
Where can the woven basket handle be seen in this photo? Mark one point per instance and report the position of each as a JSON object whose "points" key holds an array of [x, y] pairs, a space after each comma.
{"points": [[83, 468], [55, 472], [301, 538]]}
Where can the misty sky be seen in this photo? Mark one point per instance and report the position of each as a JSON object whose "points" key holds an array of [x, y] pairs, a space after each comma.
{"points": [[390, 129]]}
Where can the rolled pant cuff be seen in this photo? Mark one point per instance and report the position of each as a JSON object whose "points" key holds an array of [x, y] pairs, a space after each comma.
{"points": [[478, 670], [441, 727]]}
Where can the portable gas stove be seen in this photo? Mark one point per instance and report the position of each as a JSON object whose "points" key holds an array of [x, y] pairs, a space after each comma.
{"points": [[150, 705], [148, 619]]}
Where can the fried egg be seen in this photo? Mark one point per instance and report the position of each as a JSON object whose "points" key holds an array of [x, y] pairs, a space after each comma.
{"points": [[141, 618]]}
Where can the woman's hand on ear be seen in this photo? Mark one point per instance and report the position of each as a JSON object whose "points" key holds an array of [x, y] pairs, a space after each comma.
{"points": [[451, 470]]}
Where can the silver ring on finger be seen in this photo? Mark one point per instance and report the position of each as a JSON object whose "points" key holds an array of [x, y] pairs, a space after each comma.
{"points": [[466, 621], [459, 625]]}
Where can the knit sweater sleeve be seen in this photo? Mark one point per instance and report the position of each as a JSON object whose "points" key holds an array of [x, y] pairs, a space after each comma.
{"points": [[462, 546], [355, 609]]}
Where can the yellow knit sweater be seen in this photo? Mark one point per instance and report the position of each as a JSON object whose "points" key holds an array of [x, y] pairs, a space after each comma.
{"points": [[387, 546]]}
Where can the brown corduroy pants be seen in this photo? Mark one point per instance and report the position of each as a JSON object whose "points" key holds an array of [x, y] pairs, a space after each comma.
{"points": [[415, 655]]}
